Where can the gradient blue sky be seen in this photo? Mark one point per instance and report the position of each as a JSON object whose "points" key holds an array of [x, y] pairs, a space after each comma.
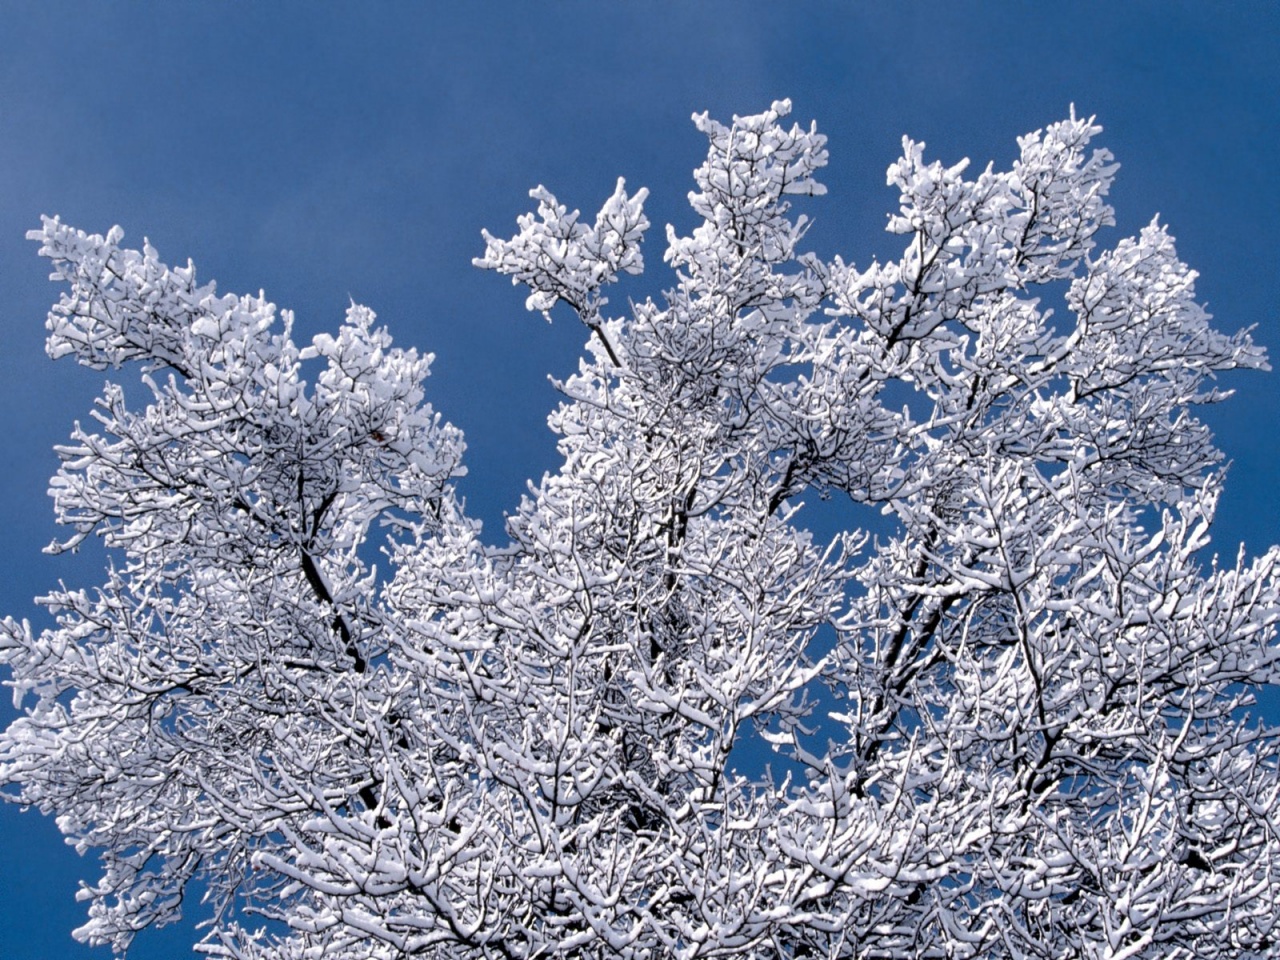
{"points": [[325, 152]]}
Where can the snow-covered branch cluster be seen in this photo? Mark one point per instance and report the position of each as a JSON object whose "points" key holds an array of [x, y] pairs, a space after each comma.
{"points": [[1016, 727]]}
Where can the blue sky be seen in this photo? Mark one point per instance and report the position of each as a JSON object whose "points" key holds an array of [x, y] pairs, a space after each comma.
{"points": [[324, 152]]}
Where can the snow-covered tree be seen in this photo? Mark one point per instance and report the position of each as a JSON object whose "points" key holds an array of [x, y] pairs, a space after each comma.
{"points": [[1016, 726]]}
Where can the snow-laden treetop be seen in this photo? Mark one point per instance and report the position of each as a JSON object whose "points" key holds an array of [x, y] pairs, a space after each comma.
{"points": [[1015, 728]]}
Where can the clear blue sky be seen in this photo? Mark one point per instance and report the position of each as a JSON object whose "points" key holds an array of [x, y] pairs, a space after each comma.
{"points": [[324, 152]]}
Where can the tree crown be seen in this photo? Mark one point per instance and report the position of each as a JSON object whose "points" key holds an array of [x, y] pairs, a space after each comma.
{"points": [[1014, 727]]}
